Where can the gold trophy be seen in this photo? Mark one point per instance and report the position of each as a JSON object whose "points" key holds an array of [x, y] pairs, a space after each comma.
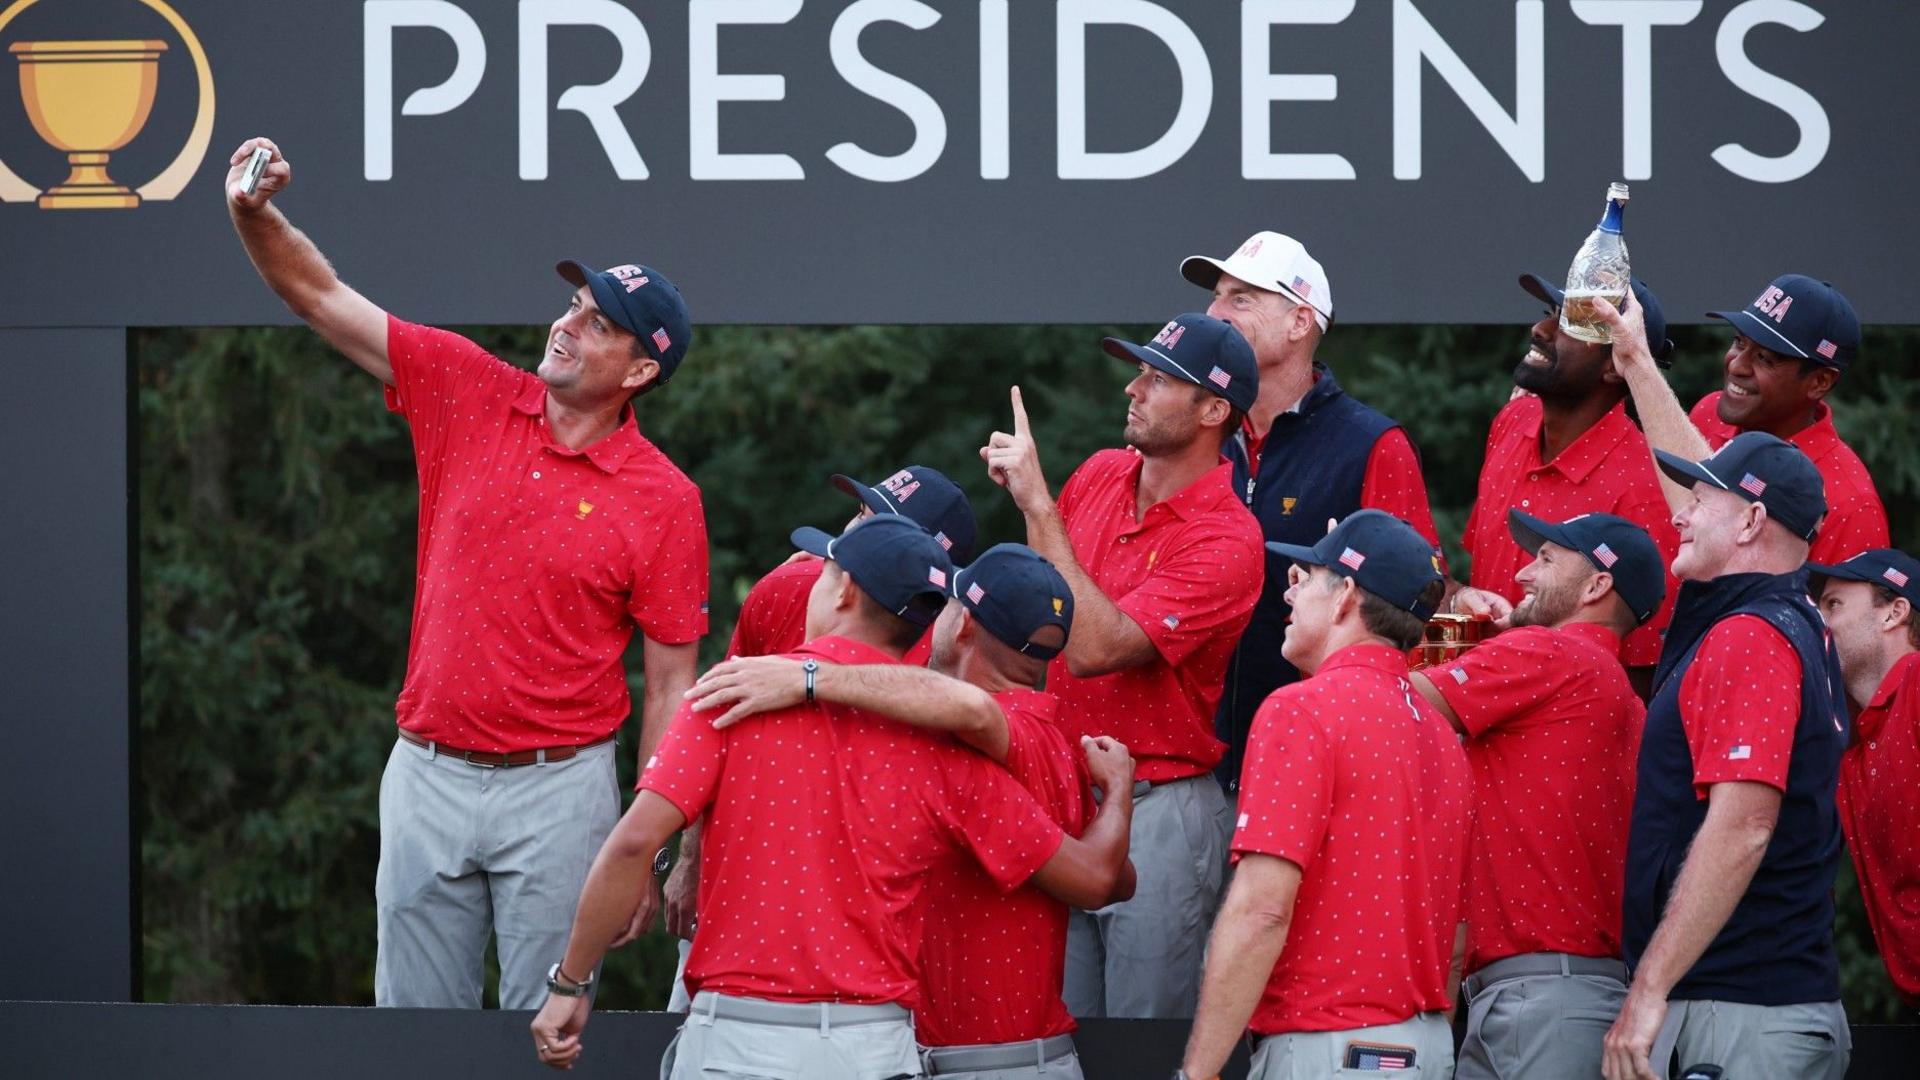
{"points": [[1448, 637], [88, 98]]}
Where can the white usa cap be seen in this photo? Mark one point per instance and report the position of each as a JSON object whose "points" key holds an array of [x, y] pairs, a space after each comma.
{"points": [[1271, 261]]}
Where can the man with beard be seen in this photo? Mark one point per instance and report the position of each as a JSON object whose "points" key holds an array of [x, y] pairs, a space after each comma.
{"points": [[550, 529], [1566, 447], [1009, 614], [1790, 346], [1164, 562], [1869, 603], [1550, 724], [1727, 920], [1306, 453]]}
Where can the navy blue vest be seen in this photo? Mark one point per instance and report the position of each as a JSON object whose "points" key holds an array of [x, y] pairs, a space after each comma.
{"points": [[1312, 467], [1777, 948]]}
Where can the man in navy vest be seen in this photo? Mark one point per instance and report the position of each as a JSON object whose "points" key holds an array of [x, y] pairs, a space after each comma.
{"points": [[1306, 453], [1728, 912]]}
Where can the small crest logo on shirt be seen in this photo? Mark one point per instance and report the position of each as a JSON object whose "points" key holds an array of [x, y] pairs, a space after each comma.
{"points": [[1740, 753], [1895, 576], [583, 509], [937, 576], [1606, 556], [1218, 377], [1352, 559], [1171, 622], [1059, 605], [975, 593], [1754, 484]]}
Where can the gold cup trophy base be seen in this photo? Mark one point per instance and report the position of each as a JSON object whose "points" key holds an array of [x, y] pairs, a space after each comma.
{"points": [[75, 197]]}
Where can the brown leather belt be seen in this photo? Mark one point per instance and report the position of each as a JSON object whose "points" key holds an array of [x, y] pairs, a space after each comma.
{"points": [[485, 760]]}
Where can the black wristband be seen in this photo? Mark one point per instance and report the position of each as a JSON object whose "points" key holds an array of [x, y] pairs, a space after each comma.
{"points": [[809, 668]]}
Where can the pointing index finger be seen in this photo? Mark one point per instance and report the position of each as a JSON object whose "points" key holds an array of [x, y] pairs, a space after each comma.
{"points": [[1019, 414]]}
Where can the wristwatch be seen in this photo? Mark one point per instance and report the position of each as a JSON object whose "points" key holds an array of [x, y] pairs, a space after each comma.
{"points": [[812, 668], [570, 988]]}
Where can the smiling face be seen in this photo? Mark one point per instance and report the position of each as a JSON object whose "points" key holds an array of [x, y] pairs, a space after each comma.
{"points": [[1766, 391], [591, 360], [1552, 584], [1562, 368], [1709, 524]]}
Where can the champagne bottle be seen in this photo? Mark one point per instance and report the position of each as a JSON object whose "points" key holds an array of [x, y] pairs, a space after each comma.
{"points": [[1599, 270]]}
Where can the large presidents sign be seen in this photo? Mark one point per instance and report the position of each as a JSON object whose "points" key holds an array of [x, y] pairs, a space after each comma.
{"points": [[902, 161]]}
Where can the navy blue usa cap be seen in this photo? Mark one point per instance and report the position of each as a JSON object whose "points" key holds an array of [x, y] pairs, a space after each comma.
{"points": [[642, 301], [926, 497], [1202, 350], [892, 559], [1801, 317], [1015, 593], [1650, 311], [1760, 468], [1885, 567], [1381, 553], [1612, 544]]}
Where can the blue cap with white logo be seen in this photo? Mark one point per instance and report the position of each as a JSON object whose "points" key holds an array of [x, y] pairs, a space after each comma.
{"points": [[1381, 553], [1202, 350], [1886, 567], [1800, 317], [1612, 544], [892, 559], [641, 301], [1760, 468], [925, 496]]}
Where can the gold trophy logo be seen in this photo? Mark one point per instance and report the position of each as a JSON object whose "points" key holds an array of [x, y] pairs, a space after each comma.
{"points": [[88, 98]]}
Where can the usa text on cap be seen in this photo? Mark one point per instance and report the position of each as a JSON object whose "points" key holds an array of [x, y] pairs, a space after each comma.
{"points": [[642, 301], [1202, 350], [925, 496], [1800, 317], [1381, 553], [1760, 468], [1274, 262]]}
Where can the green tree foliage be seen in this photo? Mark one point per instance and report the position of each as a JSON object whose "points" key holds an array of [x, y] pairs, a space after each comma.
{"points": [[276, 555]]}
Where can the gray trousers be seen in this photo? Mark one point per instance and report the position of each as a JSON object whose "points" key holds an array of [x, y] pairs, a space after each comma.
{"points": [[729, 1038], [466, 851], [1317, 1055], [1142, 958], [1778, 1042], [1537, 1027]]}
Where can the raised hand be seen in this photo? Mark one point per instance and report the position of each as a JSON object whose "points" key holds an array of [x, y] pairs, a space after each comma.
{"points": [[278, 175], [1013, 461], [1627, 326]]}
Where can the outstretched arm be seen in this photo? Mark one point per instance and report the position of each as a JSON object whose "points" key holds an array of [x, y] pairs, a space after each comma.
{"points": [[1661, 414], [293, 267], [748, 686]]}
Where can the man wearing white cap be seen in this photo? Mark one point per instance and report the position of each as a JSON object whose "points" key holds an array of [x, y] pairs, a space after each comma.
{"points": [[1307, 453]]}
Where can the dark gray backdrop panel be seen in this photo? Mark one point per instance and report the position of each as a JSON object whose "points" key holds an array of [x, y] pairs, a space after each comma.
{"points": [[66, 929]]}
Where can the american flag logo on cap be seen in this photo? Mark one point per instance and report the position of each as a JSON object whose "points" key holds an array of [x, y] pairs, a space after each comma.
{"points": [[1218, 377], [1606, 556], [1827, 348], [661, 341], [975, 593], [941, 539], [937, 576], [1301, 286], [1352, 559], [1894, 576], [1753, 484]]}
